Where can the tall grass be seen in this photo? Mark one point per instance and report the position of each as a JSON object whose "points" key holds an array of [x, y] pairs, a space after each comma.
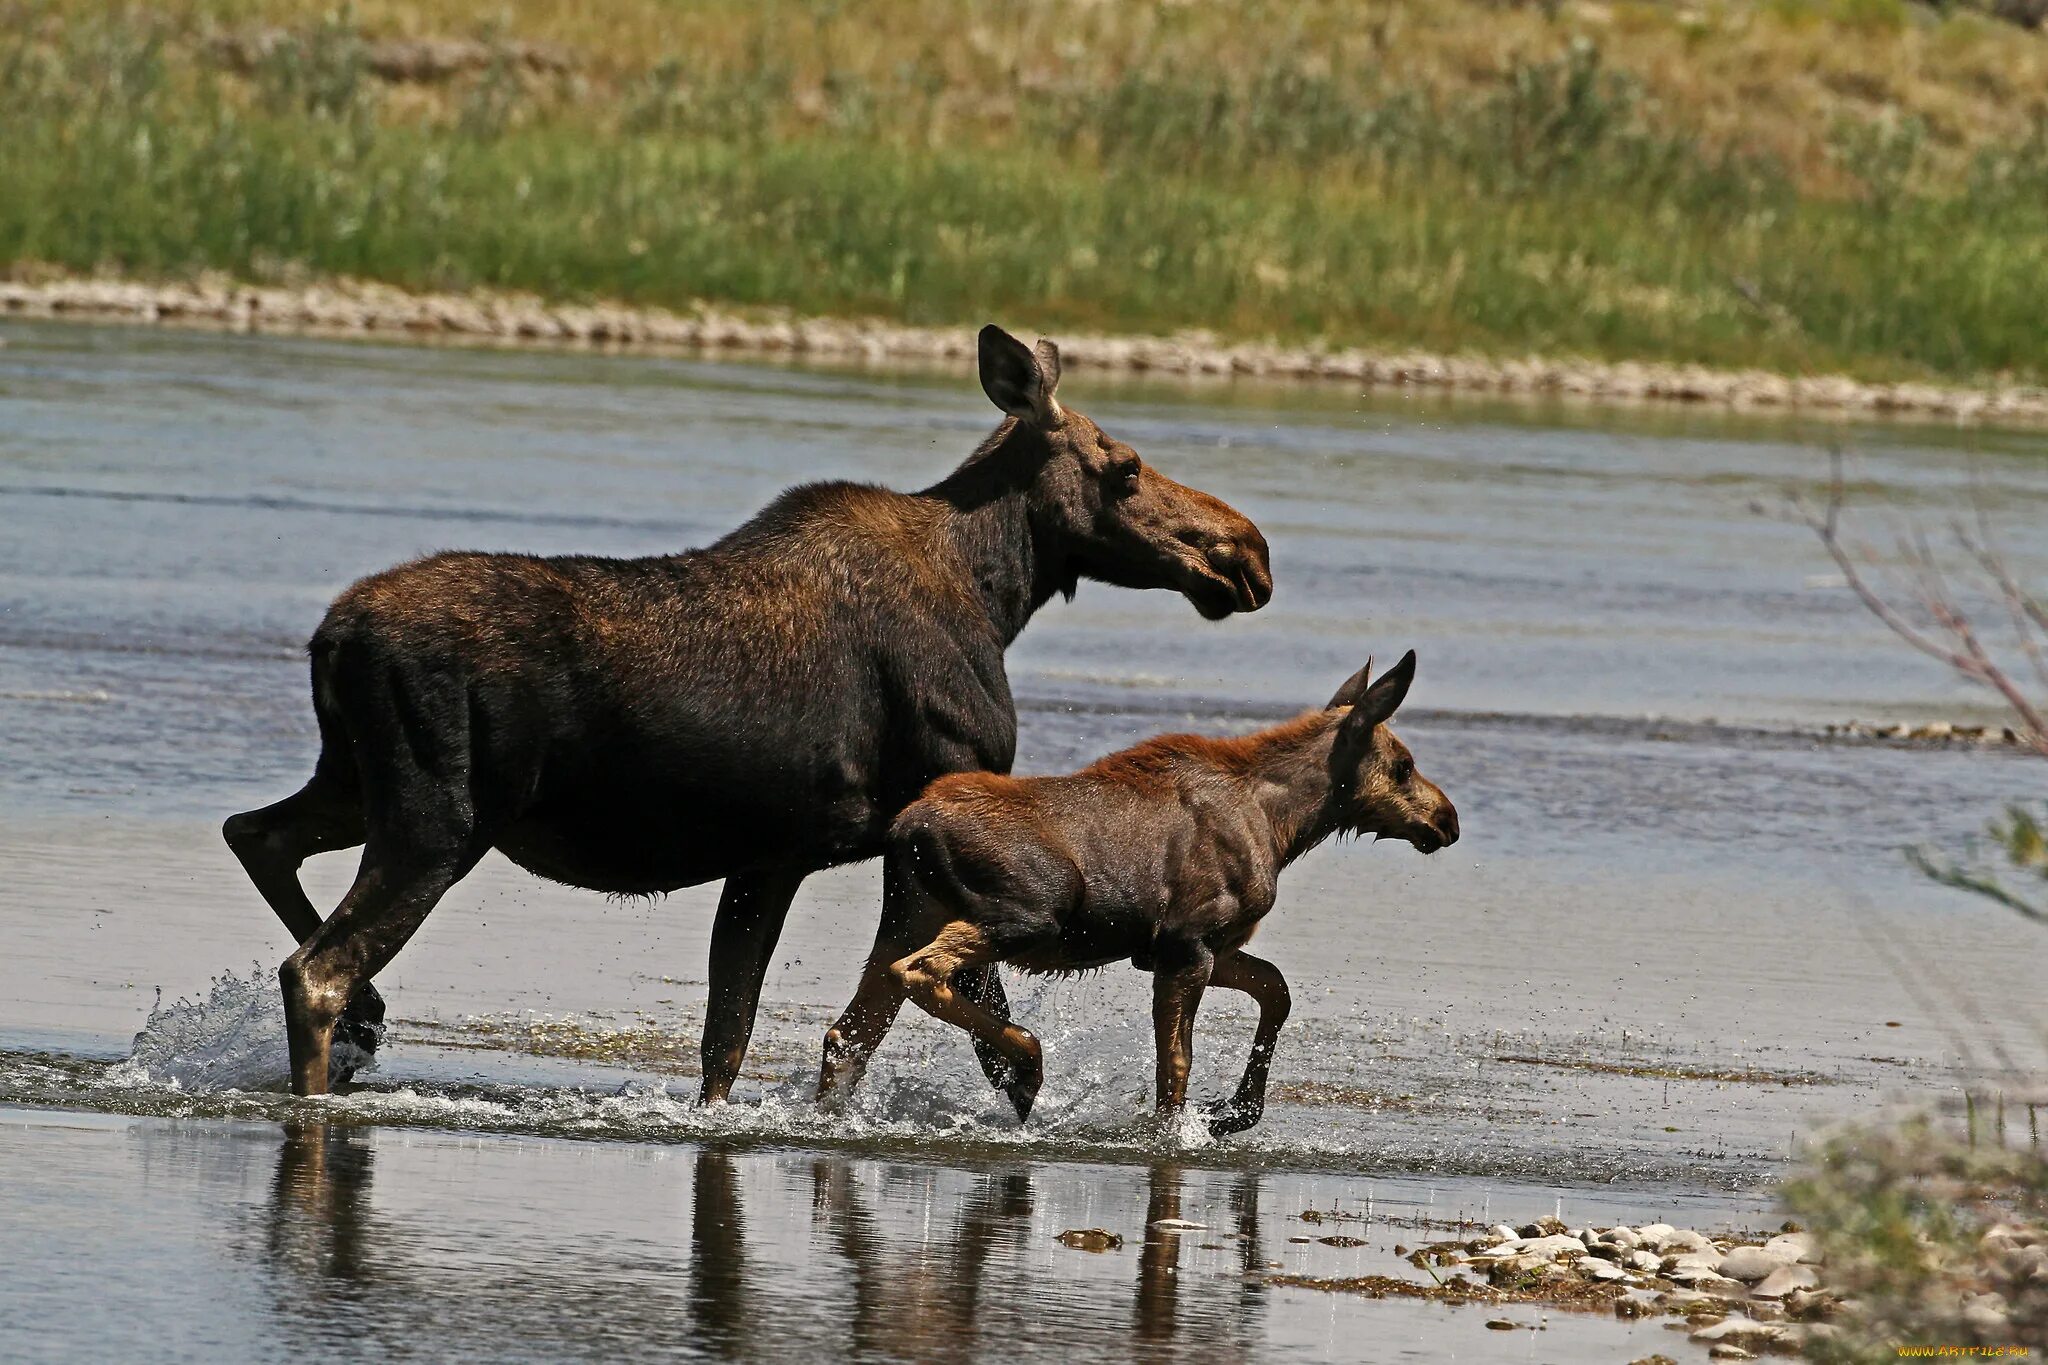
{"points": [[1546, 211]]}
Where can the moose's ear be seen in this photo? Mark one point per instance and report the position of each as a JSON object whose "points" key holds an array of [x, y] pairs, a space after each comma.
{"points": [[1353, 688], [1380, 701], [1048, 365], [1013, 378]]}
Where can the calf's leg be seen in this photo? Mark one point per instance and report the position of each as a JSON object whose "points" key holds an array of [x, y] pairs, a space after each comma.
{"points": [[984, 986], [751, 909], [927, 977], [1262, 981], [1177, 987]]}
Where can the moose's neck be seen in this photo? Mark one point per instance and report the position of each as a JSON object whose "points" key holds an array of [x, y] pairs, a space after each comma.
{"points": [[1014, 565], [1289, 769]]}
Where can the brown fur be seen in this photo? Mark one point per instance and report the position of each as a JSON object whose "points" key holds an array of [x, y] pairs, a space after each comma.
{"points": [[1167, 854]]}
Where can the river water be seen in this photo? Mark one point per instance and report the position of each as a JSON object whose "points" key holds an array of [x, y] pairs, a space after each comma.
{"points": [[1677, 942]]}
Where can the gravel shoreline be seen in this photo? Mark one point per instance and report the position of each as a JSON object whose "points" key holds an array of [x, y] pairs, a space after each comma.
{"points": [[364, 309]]}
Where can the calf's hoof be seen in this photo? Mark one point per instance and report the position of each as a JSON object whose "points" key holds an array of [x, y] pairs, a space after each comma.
{"points": [[1023, 1089]]}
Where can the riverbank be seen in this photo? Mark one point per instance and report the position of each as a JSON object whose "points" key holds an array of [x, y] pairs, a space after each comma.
{"points": [[1795, 188], [363, 308]]}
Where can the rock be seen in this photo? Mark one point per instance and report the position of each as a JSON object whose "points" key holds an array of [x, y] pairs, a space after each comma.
{"points": [[1750, 1263], [2025, 1261], [1797, 1247], [1647, 1261], [1741, 1332], [1682, 1239], [1499, 1325], [1693, 1260], [1721, 1287], [1090, 1239], [1621, 1237], [1181, 1225], [1988, 1316], [1728, 1350], [1803, 1302], [1782, 1281], [1594, 1268], [1607, 1251], [1502, 1232], [1546, 1248], [1650, 1234]]}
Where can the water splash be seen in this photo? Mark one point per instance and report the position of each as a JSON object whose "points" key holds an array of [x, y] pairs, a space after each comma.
{"points": [[232, 1038]]}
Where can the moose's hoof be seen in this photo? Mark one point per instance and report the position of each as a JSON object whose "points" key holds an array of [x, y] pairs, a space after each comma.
{"points": [[360, 1029], [1232, 1116], [365, 1006]]}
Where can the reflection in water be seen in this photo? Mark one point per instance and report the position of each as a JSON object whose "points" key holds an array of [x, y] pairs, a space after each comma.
{"points": [[319, 1200], [930, 1293], [783, 1254], [1231, 1315], [718, 1255]]}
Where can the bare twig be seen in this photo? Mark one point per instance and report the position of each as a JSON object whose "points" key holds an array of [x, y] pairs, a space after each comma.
{"points": [[1954, 639]]}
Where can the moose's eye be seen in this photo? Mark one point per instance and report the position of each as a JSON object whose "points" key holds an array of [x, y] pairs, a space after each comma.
{"points": [[1123, 479], [1403, 769]]}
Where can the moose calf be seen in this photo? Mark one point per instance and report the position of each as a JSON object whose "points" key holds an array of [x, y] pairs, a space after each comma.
{"points": [[1167, 854]]}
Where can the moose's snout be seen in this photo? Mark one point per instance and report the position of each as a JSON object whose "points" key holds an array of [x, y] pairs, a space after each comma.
{"points": [[1446, 823], [1242, 562], [1235, 569]]}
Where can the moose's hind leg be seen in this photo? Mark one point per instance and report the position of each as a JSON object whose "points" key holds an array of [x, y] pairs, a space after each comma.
{"points": [[391, 898], [852, 1040], [272, 843]]}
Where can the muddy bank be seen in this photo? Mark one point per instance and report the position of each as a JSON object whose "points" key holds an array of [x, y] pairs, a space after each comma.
{"points": [[357, 307]]}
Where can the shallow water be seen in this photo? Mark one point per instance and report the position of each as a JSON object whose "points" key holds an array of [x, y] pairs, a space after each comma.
{"points": [[1677, 940]]}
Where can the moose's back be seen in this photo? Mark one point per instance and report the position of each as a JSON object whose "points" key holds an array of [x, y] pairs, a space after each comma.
{"points": [[645, 724]]}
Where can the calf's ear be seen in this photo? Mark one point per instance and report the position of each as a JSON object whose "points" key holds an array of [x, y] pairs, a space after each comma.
{"points": [[1015, 379], [1379, 702], [1353, 688]]}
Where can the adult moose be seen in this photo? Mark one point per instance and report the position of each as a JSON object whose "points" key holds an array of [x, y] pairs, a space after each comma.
{"points": [[753, 711]]}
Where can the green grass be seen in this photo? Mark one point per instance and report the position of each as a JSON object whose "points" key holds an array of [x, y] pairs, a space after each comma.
{"points": [[1545, 213]]}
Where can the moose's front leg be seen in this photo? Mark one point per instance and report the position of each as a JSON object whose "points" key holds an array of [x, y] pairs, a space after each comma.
{"points": [[751, 909], [1179, 975], [1262, 981]]}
